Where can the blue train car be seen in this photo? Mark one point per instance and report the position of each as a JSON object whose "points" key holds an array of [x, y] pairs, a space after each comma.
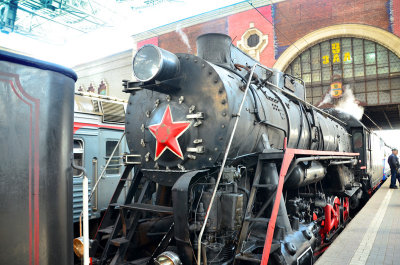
{"points": [[98, 127]]}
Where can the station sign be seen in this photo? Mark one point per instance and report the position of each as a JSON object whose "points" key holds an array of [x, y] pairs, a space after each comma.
{"points": [[336, 55], [336, 89]]}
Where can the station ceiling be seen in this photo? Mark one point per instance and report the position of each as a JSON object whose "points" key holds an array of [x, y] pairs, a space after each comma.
{"points": [[52, 20], [382, 117]]}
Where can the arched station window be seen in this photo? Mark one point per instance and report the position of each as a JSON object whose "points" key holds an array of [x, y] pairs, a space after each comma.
{"points": [[371, 70]]}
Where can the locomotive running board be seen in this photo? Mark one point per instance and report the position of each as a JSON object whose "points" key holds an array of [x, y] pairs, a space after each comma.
{"points": [[289, 154]]}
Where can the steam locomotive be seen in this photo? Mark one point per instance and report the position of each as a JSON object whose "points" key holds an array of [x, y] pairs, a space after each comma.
{"points": [[232, 166]]}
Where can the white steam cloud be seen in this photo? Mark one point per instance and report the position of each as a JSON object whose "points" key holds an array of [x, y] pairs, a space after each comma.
{"points": [[184, 38], [327, 99], [347, 103]]}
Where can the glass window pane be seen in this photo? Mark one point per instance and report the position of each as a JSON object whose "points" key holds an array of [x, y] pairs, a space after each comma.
{"points": [[359, 87], [360, 97], [296, 67], [325, 48], [370, 70], [316, 76], [393, 57], [78, 156], [337, 69], [383, 84], [370, 58], [305, 67], [395, 96], [382, 58], [347, 55], [346, 42], [113, 167], [325, 90], [315, 57], [308, 92], [359, 70], [347, 71], [371, 85], [369, 46], [384, 97], [307, 78], [394, 63], [326, 74], [78, 160], [316, 91], [305, 56], [383, 70], [372, 98], [395, 83], [380, 48], [358, 51]]}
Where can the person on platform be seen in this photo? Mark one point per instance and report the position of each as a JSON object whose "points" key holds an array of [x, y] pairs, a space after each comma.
{"points": [[393, 161]]}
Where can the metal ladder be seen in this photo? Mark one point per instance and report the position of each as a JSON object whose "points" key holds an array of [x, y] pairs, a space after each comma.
{"points": [[121, 220], [241, 252]]}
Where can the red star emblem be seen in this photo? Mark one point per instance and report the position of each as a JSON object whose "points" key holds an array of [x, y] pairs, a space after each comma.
{"points": [[167, 133]]}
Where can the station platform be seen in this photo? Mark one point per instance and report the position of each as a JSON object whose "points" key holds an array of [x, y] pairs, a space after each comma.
{"points": [[373, 236]]}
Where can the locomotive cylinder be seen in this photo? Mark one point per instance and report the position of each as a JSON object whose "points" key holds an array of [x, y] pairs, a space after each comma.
{"points": [[303, 175]]}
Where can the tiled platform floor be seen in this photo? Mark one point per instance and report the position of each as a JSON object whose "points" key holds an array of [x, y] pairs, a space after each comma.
{"points": [[373, 236]]}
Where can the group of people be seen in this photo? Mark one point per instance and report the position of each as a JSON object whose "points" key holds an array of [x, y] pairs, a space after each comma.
{"points": [[393, 161]]}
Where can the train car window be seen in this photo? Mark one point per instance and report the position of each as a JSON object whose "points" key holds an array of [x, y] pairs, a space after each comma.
{"points": [[78, 156], [357, 140], [113, 167]]}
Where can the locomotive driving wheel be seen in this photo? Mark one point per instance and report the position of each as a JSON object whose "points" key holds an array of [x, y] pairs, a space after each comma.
{"points": [[332, 217], [344, 210]]}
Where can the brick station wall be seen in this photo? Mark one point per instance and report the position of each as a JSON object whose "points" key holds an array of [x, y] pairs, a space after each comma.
{"points": [[296, 18], [173, 41], [234, 25]]}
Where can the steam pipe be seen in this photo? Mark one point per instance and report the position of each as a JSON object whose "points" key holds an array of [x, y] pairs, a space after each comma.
{"points": [[341, 162]]}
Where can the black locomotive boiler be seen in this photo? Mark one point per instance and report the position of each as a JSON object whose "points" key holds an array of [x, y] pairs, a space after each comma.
{"points": [[232, 166]]}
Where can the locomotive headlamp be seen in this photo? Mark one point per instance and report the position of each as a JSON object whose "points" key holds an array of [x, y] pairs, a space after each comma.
{"points": [[153, 63]]}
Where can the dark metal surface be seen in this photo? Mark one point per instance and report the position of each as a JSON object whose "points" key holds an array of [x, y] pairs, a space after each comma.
{"points": [[180, 196], [36, 121], [215, 48], [35, 63], [215, 90]]}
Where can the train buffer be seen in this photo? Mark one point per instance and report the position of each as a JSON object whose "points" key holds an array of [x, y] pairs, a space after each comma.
{"points": [[373, 236]]}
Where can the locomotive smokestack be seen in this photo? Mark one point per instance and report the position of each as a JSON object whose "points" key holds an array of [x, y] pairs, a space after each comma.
{"points": [[215, 48]]}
